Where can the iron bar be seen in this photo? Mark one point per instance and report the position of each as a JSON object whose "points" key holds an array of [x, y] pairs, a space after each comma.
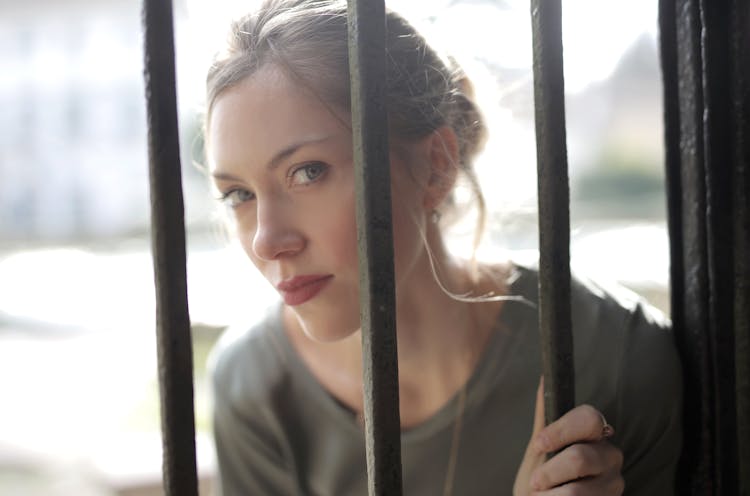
{"points": [[376, 271], [740, 91], [174, 345], [697, 465], [691, 456], [718, 143], [671, 105], [554, 215]]}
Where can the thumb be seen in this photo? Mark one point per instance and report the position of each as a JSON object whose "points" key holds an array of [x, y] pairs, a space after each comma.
{"points": [[533, 458], [539, 420]]}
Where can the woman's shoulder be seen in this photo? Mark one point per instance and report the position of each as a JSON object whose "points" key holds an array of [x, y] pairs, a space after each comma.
{"points": [[628, 367], [622, 344], [247, 362], [593, 300]]}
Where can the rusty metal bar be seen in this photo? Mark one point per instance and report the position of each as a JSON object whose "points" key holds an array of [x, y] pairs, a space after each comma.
{"points": [[697, 466], [668, 55], [554, 215], [376, 271], [740, 91], [693, 459], [718, 143], [174, 346]]}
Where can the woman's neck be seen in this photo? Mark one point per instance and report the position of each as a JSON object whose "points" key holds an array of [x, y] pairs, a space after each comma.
{"points": [[440, 339]]}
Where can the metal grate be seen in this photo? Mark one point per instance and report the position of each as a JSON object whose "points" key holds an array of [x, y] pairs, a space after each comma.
{"points": [[705, 64]]}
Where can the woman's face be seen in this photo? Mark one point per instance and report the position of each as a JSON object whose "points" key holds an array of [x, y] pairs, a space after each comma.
{"points": [[283, 163]]}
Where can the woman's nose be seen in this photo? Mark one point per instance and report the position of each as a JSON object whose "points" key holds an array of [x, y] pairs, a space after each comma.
{"points": [[275, 234]]}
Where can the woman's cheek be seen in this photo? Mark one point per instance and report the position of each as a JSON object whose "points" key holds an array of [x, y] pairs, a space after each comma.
{"points": [[244, 232], [341, 229]]}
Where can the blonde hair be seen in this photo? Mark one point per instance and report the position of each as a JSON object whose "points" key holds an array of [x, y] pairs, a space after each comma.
{"points": [[307, 40]]}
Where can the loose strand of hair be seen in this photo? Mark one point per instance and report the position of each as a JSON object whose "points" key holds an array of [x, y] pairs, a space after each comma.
{"points": [[465, 297]]}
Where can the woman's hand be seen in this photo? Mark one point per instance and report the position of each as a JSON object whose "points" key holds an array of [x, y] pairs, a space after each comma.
{"points": [[587, 464]]}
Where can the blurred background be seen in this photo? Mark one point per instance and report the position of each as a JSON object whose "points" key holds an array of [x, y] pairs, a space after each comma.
{"points": [[79, 408]]}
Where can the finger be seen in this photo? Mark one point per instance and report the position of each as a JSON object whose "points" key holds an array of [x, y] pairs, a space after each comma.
{"points": [[581, 424], [532, 458], [579, 461], [614, 487], [539, 409], [539, 419]]}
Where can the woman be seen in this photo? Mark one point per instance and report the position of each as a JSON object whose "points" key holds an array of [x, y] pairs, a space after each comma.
{"points": [[288, 392]]}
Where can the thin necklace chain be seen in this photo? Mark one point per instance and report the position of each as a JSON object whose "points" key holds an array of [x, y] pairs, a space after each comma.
{"points": [[457, 424]]}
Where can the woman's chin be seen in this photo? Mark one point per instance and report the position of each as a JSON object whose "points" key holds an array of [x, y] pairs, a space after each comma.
{"points": [[325, 330]]}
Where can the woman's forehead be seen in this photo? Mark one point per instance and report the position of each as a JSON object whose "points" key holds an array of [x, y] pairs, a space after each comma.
{"points": [[267, 113]]}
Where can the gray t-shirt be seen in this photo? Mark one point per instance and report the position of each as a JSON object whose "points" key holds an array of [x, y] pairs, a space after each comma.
{"points": [[279, 432]]}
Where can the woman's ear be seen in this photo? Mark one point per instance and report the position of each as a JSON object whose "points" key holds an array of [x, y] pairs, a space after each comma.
{"points": [[442, 146]]}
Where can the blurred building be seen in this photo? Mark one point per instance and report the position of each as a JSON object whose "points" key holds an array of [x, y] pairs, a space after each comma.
{"points": [[73, 159]]}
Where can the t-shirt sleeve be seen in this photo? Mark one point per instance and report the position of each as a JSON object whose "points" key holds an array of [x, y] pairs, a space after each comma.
{"points": [[250, 461], [649, 405], [253, 455]]}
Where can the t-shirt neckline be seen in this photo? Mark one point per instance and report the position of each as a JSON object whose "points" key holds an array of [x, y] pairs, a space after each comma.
{"points": [[508, 326]]}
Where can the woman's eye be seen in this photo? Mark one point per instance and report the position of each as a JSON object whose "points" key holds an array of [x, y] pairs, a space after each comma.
{"points": [[235, 197], [308, 173]]}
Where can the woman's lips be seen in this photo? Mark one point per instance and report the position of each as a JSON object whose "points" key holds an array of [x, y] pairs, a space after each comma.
{"points": [[300, 289]]}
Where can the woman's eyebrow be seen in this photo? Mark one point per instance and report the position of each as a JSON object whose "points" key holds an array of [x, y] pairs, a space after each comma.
{"points": [[280, 156]]}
